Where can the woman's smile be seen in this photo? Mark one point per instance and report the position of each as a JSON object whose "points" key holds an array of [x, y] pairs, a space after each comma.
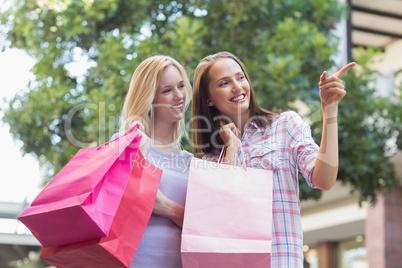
{"points": [[239, 98]]}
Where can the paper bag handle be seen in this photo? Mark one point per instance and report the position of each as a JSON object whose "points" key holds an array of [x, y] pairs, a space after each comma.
{"points": [[135, 127], [220, 159]]}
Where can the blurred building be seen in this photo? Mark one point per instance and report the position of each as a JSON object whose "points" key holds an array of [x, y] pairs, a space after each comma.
{"points": [[18, 247], [337, 231]]}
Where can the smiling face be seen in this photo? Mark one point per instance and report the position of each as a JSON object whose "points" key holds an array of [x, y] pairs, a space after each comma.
{"points": [[170, 97], [229, 89]]}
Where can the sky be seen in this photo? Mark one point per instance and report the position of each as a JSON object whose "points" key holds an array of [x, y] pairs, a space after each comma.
{"points": [[20, 176]]}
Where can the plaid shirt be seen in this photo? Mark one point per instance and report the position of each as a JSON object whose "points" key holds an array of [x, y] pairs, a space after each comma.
{"points": [[286, 147]]}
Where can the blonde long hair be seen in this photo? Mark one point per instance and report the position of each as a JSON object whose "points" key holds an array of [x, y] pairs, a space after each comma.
{"points": [[144, 82]]}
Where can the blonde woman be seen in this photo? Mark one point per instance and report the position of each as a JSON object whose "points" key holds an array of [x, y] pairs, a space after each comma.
{"points": [[158, 96]]}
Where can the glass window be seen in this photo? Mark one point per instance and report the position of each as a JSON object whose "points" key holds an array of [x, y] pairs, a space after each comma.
{"points": [[310, 257], [352, 253]]}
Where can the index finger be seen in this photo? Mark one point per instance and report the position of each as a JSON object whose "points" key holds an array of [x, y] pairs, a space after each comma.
{"points": [[345, 69], [323, 76], [234, 129]]}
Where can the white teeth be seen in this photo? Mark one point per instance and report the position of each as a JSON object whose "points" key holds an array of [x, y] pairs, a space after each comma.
{"points": [[240, 97], [178, 106]]}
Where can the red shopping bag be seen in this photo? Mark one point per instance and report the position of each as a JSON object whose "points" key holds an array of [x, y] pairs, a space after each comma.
{"points": [[80, 202], [132, 216], [228, 217]]}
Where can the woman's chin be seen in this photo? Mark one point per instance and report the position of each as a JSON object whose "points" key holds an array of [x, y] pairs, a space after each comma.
{"points": [[178, 115], [181, 117]]}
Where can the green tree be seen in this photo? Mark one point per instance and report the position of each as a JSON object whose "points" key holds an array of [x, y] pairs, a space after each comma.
{"points": [[284, 44]]}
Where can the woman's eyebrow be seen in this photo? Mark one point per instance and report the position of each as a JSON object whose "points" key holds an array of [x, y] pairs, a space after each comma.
{"points": [[169, 85], [162, 87], [223, 78], [226, 77]]}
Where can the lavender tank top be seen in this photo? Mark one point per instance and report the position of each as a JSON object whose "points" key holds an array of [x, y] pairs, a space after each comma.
{"points": [[160, 244]]}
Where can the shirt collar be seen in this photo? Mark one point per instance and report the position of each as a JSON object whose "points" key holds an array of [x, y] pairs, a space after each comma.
{"points": [[251, 125]]}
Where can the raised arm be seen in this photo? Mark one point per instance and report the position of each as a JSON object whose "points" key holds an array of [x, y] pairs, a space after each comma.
{"points": [[331, 92]]}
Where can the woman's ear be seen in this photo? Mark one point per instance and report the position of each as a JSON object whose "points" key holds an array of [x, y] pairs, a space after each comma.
{"points": [[210, 102]]}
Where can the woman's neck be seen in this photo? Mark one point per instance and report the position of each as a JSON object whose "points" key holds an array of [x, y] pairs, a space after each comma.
{"points": [[163, 137]]}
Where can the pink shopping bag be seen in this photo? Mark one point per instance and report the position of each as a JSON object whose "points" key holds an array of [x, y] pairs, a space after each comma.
{"points": [[80, 202], [132, 216], [228, 217]]}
